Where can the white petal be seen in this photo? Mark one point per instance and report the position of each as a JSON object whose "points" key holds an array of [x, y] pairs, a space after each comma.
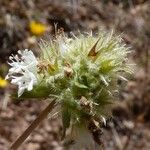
{"points": [[19, 52], [15, 80], [30, 86], [7, 77], [20, 91]]}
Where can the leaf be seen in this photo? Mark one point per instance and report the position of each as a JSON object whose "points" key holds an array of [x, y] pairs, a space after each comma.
{"points": [[82, 86], [39, 92], [106, 66]]}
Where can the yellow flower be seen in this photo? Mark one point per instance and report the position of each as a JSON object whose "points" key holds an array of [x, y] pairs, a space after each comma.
{"points": [[37, 28], [3, 83]]}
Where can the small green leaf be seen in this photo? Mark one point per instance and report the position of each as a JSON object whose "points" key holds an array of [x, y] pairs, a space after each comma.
{"points": [[82, 86], [106, 66], [42, 91]]}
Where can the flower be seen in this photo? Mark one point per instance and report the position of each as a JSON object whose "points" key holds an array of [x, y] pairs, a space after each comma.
{"points": [[25, 81], [3, 82], [24, 60], [37, 28], [23, 71]]}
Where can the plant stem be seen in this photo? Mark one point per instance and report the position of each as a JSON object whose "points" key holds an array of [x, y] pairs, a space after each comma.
{"points": [[33, 125]]}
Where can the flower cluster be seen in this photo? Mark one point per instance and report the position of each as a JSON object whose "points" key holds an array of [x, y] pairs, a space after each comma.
{"points": [[81, 73], [23, 71]]}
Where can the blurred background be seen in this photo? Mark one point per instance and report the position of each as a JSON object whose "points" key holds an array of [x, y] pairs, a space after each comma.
{"points": [[24, 22]]}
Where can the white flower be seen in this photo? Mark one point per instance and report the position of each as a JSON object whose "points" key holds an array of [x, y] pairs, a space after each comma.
{"points": [[23, 71], [25, 81], [24, 60]]}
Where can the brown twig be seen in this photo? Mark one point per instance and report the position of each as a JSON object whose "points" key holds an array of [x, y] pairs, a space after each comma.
{"points": [[33, 125]]}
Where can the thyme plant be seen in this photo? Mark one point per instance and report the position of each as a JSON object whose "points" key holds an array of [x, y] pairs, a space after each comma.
{"points": [[80, 73]]}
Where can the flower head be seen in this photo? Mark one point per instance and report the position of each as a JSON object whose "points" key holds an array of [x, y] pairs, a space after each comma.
{"points": [[81, 73]]}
